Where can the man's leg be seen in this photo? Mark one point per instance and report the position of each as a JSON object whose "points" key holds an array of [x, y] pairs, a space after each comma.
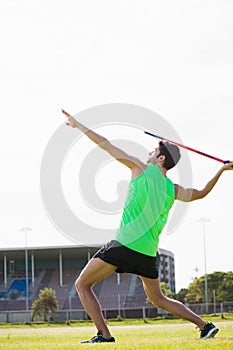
{"points": [[95, 271], [155, 295]]}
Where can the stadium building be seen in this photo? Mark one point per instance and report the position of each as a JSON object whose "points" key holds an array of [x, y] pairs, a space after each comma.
{"points": [[24, 272]]}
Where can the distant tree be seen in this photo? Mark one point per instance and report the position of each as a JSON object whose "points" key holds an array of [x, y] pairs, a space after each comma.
{"points": [[221, 282], [45, 305], [166, 291], [223, 285], [196, 291], [182, 295]]}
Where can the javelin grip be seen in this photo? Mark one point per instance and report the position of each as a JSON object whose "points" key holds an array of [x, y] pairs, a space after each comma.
{"points": [[226, 162]]}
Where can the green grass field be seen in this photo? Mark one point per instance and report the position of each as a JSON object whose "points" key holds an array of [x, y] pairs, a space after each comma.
{"points": [[170, 336]]}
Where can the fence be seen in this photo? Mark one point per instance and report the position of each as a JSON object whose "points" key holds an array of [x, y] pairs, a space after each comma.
{"points": [[130, 312]]}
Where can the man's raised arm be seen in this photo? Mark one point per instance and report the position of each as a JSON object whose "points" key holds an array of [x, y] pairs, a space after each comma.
{"points": [[103, 143], [191, 194]]}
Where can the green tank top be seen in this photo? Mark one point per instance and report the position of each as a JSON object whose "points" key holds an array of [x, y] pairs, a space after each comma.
{"points": [[149, 199]]}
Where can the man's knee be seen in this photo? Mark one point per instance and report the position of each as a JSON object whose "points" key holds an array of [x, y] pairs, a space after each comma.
{"points": [[164, 302], [161, 301], [81, 284], [158, 300]]}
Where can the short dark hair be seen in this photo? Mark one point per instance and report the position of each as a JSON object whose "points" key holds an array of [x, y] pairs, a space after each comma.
{"points": [[171, 153]]}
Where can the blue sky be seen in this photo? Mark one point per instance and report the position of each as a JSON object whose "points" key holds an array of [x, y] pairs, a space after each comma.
{"points": [[173, 57]]}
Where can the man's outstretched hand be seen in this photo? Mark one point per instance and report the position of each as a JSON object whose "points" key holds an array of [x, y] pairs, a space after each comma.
{"points": [[71, 121], [228, 166]]}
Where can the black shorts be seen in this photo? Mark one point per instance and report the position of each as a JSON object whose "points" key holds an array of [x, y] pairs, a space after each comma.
{"points": [[128, 260]]}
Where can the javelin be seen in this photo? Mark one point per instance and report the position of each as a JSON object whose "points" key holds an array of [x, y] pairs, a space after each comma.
{"points": [[188, 148]]}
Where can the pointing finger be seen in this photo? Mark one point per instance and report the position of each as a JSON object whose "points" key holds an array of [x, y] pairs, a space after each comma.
{"points": [[67, 114]]}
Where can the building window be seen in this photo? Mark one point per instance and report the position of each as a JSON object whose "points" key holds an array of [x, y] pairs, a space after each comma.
{"points": [[12, 266]]}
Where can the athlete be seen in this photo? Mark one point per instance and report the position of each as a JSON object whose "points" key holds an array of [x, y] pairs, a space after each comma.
{"points": [[150, 196]]}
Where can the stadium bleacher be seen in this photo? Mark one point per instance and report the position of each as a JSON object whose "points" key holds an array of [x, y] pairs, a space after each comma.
{"points": [[108, 291], [125, 291]]}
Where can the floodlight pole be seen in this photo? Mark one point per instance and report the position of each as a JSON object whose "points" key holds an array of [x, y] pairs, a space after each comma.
{"points": [[204, 220], [25, 230]]}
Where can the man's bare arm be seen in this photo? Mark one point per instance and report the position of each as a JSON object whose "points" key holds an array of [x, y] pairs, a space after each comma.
{"points": [[106, 145], [192, 194]]}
